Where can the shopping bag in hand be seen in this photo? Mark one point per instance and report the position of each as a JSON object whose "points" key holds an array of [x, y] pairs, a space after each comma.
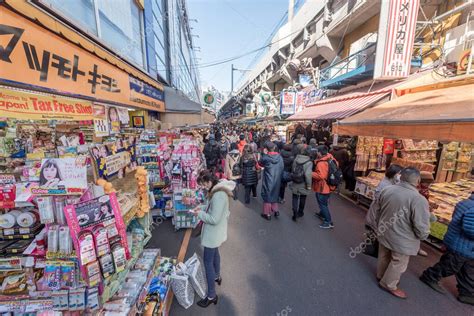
{"points": [[181, 286], [197, 276]]}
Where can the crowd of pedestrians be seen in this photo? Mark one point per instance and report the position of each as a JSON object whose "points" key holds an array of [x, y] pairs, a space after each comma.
{"points": [[397, 221]]}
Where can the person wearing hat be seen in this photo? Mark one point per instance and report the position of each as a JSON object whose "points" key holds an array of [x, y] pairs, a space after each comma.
{"points": [[458, 259]]}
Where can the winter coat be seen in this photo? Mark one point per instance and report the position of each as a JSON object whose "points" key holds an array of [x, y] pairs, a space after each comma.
{"points": [[288, 159], [254, 147], [459, 238], [249, 171], [341, 155], [402, 218], [371, 215], [224, 148], [241, 144], [300, 130], [320, 175], [305, 187], [232, 158], [214, 229], [271, 179], [212, 152]]}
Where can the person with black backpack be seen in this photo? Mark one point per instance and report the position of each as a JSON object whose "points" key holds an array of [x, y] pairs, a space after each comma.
{"points": [[212, 152], [301, 175], [326, 178], [459, 256]]}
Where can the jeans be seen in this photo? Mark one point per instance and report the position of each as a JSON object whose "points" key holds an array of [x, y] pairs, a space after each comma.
{"points": [[299, 201], [323, 202], [249, 188], [453, 264], [212, 265]]}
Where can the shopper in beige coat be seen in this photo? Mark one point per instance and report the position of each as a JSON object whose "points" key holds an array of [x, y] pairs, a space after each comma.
{"points": [[403, 219]]}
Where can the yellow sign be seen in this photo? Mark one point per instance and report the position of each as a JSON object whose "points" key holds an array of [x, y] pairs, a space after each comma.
{"points": [[24, 105], [33, 57]]}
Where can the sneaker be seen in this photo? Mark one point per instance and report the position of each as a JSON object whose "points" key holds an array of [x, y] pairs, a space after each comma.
{"points": [[326, 225], [432, 284]]}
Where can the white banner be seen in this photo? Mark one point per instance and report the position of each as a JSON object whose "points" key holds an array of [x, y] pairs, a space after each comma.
{"points": [[396, 37]]}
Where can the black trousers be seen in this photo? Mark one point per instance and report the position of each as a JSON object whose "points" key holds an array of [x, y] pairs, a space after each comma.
{"points": [[249, 188], [298, 203], [451, 263], [282, 189]]}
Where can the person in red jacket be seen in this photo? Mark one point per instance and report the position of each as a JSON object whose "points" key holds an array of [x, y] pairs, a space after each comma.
{"points": [[241, 144], [321, 187]]}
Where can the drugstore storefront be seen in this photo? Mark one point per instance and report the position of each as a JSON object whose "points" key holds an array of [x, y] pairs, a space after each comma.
{"points": [[36, 60]]}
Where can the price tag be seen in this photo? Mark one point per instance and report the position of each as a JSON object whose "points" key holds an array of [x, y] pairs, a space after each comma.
{"points": [[24, 230], [8, 232]]}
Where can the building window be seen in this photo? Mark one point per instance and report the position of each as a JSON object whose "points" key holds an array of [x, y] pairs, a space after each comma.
{"points": [[81, 12], [118, 23]]}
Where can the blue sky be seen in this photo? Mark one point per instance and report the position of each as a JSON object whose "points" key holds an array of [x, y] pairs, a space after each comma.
{"points": [[229, 28]]}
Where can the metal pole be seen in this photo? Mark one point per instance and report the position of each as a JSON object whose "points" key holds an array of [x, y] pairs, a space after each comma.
{"points": [[232, 79]]}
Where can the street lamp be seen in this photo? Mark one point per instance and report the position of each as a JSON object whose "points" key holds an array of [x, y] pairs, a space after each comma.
{"points": [[232, 77]]}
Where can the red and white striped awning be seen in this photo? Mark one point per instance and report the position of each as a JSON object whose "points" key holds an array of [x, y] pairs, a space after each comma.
{"points": [[340, 107]]}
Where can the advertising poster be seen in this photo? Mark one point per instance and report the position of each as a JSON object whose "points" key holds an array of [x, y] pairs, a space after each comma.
{"points": [[94, 211], [113, 119], [114, 158], [287, 102], [62, 176]]}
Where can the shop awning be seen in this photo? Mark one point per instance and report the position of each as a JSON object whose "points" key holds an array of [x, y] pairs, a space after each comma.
{"points": [[442, 114], [340, 107], [176, 101]]}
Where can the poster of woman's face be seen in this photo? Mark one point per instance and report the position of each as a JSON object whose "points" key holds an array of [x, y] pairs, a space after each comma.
{"points": [[94, 211], [113, 119], [63, 172]]}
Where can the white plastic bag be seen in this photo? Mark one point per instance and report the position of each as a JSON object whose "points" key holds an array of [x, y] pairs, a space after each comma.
{"points": [[181, 286], [197, 276]]}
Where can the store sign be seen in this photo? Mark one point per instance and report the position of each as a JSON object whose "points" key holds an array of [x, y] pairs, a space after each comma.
{"points": [[34, 57], [209, 98], [463, 62], [24, 105], [396, 37], [287, 102], [312, 95]]}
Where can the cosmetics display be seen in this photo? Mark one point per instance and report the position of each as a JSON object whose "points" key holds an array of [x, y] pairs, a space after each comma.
{"points": [[75, 216]]}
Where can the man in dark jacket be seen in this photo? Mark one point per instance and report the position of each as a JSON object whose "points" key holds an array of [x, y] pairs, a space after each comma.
{"points": [[288, 158], [212, 152], [299, 130], [273, 166], [459, 257]]}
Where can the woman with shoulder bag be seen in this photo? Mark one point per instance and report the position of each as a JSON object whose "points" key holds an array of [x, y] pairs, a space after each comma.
{"points": [[232, 168], [214, 217], [248, 165]]}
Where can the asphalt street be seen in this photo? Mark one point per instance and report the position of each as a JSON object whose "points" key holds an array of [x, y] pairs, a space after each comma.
{"points": [[286, 268]]}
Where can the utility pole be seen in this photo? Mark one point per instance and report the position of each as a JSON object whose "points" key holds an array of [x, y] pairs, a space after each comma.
{"points": [[232, 79]]}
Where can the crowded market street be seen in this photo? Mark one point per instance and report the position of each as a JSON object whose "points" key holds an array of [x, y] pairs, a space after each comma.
{"points": [[285, 268]]}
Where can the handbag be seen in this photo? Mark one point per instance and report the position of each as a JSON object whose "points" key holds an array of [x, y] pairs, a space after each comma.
{"points": [[371, 244], [198, 229]]}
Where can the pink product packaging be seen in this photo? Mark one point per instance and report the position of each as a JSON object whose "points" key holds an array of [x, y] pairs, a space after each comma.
{"points": [[120, 260], [86, 248], [46, 209], [101, 241]]}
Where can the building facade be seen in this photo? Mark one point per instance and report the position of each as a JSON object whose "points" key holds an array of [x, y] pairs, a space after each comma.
{"points": [[149, 39], [331, 46]]}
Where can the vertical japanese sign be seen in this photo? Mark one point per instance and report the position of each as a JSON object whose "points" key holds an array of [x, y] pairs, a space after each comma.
{"points": [[396, 37], [287, 102], [33, 57]]}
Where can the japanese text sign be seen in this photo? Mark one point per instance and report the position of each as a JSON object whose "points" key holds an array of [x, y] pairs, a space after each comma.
{"points": [[287, 102], [396, 37], [34, 57]]}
